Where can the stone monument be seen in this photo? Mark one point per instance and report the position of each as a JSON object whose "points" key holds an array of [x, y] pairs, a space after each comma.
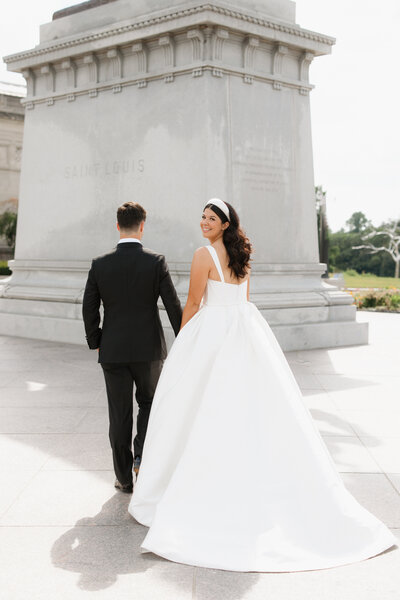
{"points": [[170, 103]]}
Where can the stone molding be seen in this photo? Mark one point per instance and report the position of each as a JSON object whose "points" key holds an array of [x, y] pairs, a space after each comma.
{"points": [[84, 265], [273, 285], [284, 286], [142, 82]]}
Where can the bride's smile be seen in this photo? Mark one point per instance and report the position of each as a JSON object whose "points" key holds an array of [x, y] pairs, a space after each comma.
{"points": [[211, 225]]}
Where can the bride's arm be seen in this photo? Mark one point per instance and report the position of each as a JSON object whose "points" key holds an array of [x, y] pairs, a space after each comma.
{"points": [[198, 281]]}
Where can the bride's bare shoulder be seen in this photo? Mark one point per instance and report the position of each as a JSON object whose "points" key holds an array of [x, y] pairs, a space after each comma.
{"points": [[201, 254], [201, 258]]}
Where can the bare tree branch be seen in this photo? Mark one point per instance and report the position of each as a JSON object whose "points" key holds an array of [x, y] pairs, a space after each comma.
{"points": [[373, 249], [393, 247]]}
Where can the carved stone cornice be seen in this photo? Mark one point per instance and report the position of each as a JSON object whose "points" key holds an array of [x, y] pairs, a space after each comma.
{"points": [[201, 50], [270, 25]]}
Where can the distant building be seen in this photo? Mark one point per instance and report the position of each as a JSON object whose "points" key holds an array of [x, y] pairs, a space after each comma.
{"points": [[11, 132]]}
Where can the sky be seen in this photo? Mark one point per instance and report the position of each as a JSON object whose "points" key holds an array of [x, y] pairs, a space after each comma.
{"points": [[354, 106]]}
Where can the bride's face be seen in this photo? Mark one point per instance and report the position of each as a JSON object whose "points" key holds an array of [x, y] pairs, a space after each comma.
{"points": [[211, 225]]}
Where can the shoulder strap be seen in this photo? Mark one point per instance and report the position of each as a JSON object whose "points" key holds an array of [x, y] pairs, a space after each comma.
{"points": [[215, 258]]}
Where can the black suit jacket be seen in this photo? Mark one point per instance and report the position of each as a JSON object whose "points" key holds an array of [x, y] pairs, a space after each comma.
{"points": [[129, 281]]}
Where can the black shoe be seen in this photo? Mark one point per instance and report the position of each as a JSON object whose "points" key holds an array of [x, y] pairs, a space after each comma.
{"points": [[127, 488], [136, 464]]}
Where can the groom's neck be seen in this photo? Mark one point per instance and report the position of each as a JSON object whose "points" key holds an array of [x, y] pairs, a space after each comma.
{"points": [[136, 234]]}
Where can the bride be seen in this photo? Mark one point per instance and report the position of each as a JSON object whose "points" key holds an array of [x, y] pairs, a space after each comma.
{"points": [[234, 473]]}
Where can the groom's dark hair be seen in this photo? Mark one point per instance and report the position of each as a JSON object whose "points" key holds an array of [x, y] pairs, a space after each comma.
{"points": [[130, 215]]}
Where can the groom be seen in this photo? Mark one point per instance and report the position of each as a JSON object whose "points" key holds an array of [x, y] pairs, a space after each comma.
{"points": [[128, 281]]}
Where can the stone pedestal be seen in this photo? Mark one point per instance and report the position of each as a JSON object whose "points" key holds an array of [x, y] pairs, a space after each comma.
{"points": [[169, 104]]}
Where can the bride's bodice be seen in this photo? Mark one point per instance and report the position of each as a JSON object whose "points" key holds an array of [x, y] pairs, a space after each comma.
{"points": [[220, 293]]}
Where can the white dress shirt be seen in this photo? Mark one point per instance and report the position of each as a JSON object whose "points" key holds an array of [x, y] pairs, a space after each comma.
{"points": [[129, 240]]}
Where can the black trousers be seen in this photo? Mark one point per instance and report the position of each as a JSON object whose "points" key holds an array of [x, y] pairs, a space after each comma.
{"points": [[119, 383]]}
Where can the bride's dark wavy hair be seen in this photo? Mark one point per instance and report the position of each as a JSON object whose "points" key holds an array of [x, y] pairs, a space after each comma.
{"points": [[236, 242]]}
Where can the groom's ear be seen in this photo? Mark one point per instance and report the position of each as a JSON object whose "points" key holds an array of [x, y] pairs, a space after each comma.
{"points": [[118, 227], [141, 228]]}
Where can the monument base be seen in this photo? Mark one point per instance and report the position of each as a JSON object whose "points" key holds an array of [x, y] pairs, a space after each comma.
{"points": [[321, 318], [70, 330]]}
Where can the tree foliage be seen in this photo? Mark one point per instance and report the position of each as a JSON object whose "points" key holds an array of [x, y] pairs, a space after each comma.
{"points": [[358, 222], [8, 227], [347, 249], [323, 229]]}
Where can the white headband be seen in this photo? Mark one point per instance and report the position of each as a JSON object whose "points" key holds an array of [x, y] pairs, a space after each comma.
{"points": [[221, 205]]}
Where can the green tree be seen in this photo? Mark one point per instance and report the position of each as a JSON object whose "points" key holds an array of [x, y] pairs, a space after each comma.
{"points": [[347, 248], [341, 254], [8, 227], [358, 222], [323, 229]]}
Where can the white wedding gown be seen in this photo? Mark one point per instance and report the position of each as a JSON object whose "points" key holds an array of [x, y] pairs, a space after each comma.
{"points": [[234, 473]]}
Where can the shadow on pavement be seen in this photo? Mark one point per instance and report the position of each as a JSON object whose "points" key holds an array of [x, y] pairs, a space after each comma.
{"points": [[100, 552]]}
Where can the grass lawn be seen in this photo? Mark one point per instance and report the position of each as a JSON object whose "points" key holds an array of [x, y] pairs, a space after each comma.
{"points": [[4, 270], [370, 281]]}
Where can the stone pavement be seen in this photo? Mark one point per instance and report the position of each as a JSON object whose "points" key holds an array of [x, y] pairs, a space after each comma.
{"points": [[65, 532]]}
